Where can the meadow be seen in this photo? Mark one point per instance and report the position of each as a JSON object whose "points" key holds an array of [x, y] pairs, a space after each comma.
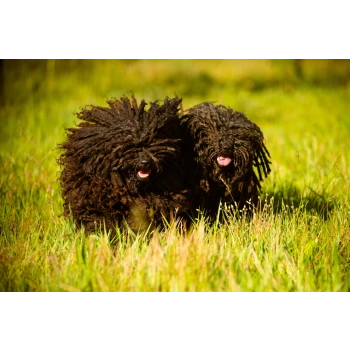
{"points": [[298, 241]]}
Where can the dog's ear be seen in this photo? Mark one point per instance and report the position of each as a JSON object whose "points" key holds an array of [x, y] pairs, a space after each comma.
{"points": [[260, 160], [255, 136]]}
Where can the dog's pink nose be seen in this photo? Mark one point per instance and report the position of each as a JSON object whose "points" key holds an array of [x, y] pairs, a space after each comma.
{"points": [[223, 161]]}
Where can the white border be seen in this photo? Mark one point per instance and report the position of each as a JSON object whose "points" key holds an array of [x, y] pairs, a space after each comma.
{"points": [[181, 29], [174, 320]]}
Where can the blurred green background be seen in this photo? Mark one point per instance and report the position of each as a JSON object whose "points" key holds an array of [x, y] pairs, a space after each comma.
{"points": [[89, 81]]}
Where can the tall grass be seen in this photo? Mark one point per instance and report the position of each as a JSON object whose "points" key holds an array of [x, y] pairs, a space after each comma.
{"points": [[298, 241]]}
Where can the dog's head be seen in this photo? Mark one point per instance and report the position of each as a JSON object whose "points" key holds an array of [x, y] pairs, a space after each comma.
{"points": [[126, 144], [227, 145]]}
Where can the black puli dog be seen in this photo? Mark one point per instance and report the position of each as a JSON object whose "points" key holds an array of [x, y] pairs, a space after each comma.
{"points": [[224, 148], [123, 164]]}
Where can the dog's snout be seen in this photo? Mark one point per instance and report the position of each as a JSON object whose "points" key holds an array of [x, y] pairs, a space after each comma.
{"points": [[226, 149], [145, 163]]}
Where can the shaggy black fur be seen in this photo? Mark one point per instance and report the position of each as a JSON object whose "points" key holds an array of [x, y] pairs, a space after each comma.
{"points": [[223, 148], [124, 163]]}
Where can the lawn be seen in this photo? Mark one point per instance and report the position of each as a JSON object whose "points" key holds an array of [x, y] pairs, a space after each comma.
{"points": [[298, 241]]}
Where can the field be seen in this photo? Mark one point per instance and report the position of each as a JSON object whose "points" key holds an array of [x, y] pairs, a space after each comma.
{"points": [[299, 240]]}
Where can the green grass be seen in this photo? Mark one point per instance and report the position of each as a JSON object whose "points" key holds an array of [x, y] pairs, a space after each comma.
{"points": [[300, 239]]}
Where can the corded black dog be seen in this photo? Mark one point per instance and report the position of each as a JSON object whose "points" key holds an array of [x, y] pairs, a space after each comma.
{"points": [[124, 163], [222, 150]]}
